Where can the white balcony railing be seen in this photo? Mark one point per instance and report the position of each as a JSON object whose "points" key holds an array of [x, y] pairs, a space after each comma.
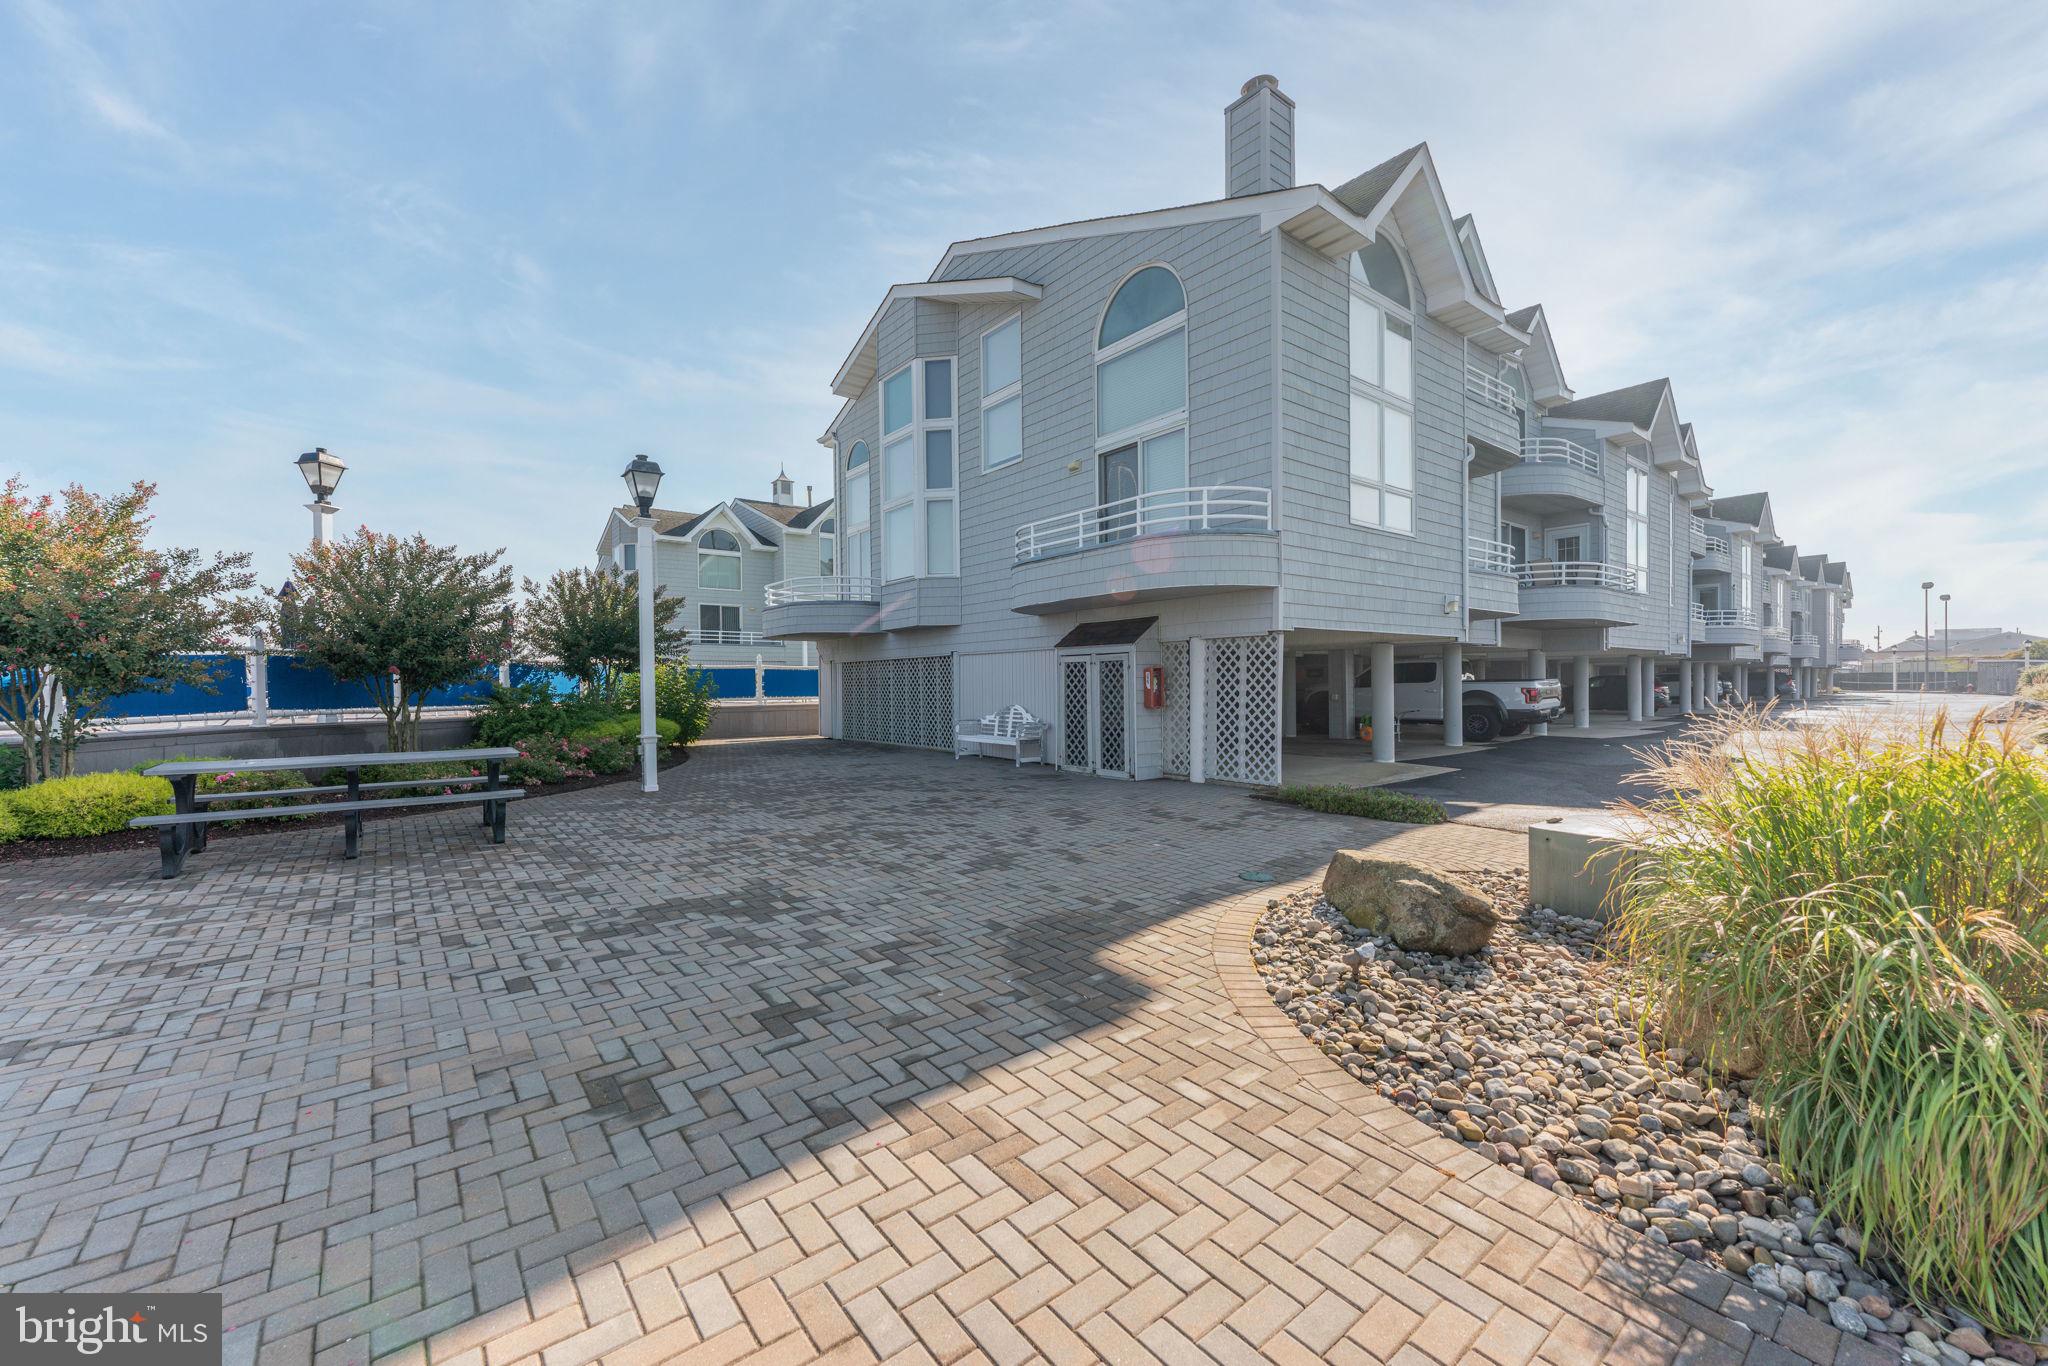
{"points": [[1804, 641], [1698, 534], [820, 588], [1577, 574], [1555, 450], [736, 638], [1724, 616], [1490, 389], [1164, 513], [1491, 557], [1718, 545]]}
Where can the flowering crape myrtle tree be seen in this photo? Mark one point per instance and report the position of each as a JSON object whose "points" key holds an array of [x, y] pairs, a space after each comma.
{"points": [[88, 611], [399, 617], [588, 621]]}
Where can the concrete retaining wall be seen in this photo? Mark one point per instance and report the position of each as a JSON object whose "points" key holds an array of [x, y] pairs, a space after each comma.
{"points": [[744, 720]]}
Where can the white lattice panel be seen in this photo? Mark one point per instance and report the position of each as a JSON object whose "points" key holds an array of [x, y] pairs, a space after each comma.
{"points": [[1177, 751], [1113, 688], [898, 701], [1074, 714], [1243, 740]]}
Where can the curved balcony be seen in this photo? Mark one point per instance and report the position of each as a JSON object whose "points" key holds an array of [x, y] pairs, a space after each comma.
{"points": [[1167, 544], [1714, 556], [1805, 648], [1578, 593], [1555, 475], [1493, 587], [821, 605], [1733, 626]]}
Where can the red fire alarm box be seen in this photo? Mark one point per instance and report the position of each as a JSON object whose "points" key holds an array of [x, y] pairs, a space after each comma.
{"points": [[1155, 687]]}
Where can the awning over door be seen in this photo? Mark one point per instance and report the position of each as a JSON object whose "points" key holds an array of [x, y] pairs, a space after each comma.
{"points": [[1124, 631]]}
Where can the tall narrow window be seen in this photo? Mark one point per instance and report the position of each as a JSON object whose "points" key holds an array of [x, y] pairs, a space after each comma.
{"points": [[855, 556], [1639, 526], [1141, 406], [1743, 550], [827, 544], [1382, 390], [718, 560], [919, 484], [1002, 394]]}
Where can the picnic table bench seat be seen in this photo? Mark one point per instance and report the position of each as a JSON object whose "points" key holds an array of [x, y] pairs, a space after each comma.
{"points": [[183, 831]]}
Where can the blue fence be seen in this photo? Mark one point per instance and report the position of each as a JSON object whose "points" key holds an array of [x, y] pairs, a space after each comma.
{"points": [[739, 683], [295, 687]]}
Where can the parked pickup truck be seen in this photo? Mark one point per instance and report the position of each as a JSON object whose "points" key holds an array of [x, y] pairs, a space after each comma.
{"points": [[1492, 708]]}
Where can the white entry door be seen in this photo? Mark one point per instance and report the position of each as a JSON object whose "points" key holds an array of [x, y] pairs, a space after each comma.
{"points": [[1095, 713]]}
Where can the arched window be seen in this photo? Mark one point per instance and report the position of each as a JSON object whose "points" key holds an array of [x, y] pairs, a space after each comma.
{"points": [[852, 559], [1141, 405], [1152, 295], [1379, 268], [718, 560], [1382, 389]]}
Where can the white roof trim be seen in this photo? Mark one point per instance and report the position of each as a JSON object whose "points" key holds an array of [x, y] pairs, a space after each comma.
{"points": [[1420, 213], [1475, 252], [1546, 382], [732, 519], [859, 370]]}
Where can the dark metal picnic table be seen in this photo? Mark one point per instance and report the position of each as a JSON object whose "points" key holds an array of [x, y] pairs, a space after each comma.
{"points": [[184, 831]]}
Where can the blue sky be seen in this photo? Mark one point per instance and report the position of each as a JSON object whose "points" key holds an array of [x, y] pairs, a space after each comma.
{"points": [[485, 252]]}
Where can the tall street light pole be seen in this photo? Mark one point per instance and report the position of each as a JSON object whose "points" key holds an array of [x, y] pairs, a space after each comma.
{"points": [[643, 478], [1926, 634], [1944, 642]]}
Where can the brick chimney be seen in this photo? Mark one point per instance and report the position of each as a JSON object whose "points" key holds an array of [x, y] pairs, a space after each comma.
{"points": [[1258, 140]]}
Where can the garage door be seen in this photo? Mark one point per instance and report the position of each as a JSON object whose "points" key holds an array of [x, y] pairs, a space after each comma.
{"points": [[898, 701]]}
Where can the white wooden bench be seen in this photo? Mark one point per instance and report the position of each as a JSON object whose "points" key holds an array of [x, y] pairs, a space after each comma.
{"points": [[1005, 732]]}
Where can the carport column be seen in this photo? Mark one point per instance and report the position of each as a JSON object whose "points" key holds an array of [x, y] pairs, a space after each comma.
{"points": [[1341, 689], [1685, 687], [1539, 665], [1288, 726], [1198, 707], [1383, 702], [1632, 676], [1582, 693], [1650, 686], [1713, 684], [1453, 671]]}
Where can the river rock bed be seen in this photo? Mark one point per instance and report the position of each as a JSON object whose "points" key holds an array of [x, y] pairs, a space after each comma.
{"points": [[1526, 1052]]}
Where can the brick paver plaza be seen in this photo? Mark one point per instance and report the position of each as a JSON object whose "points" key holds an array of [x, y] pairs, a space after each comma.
{"points": [[827, 1052]]}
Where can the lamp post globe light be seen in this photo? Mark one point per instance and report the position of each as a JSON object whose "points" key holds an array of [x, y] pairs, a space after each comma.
{"points": [[322, 473], [643, 479]]}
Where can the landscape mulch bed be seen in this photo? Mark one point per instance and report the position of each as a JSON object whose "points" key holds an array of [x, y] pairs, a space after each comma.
{"points": [[23, 851]]}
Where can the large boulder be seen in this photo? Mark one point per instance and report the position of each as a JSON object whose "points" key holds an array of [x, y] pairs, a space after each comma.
{"points": [[1419, 909]]}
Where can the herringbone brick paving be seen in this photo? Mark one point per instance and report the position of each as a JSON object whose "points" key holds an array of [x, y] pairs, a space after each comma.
{"points": [[825, 1053]]}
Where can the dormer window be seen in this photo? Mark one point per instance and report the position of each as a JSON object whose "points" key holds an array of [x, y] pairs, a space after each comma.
{"points": [[718, 560], [1382, 390]]}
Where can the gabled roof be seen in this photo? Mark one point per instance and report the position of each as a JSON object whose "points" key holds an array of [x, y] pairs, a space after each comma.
{"points": [[1636, 405], [806, 518], [1405, 191], [1785, 557], [784, 513], [765, 525], [1362, 193], [1475, 257], [666, 523], [1810, 567], [763, 533], [1539, 358], [859, 370], [1750, 509], [1834, 571]]}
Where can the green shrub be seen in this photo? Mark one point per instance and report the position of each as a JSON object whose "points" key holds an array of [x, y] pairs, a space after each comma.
{"points": [[1374, 803], [10, 828], [2034, 683], [252, 782], [528, 711], [421, 773], [89, 804], [681, 694], [1857, 918], [12, 765], [627, 728]]}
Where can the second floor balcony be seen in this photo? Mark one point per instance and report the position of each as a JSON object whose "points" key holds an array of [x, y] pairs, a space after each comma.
{"points": [[1579, 593], [1165, 544], [1724, 625], [1555, 475], [1492, 580], [1714, 556], [1805, 646], [821, 605]]}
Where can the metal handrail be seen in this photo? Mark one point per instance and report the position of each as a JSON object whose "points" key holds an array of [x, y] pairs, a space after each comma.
{"points": [[1724, 616], [820, 588], [1490, 389], [1805, 641], [1491, 557], [1165, 512], [1577, 574], [737, 638], [1555, 450], [1719, 545]]}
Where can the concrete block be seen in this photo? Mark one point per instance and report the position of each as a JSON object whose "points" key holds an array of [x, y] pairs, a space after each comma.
{"points": [[1563, 872]]}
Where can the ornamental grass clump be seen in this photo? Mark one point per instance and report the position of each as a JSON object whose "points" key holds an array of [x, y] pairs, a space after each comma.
{"points": [[1855, 916]]}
